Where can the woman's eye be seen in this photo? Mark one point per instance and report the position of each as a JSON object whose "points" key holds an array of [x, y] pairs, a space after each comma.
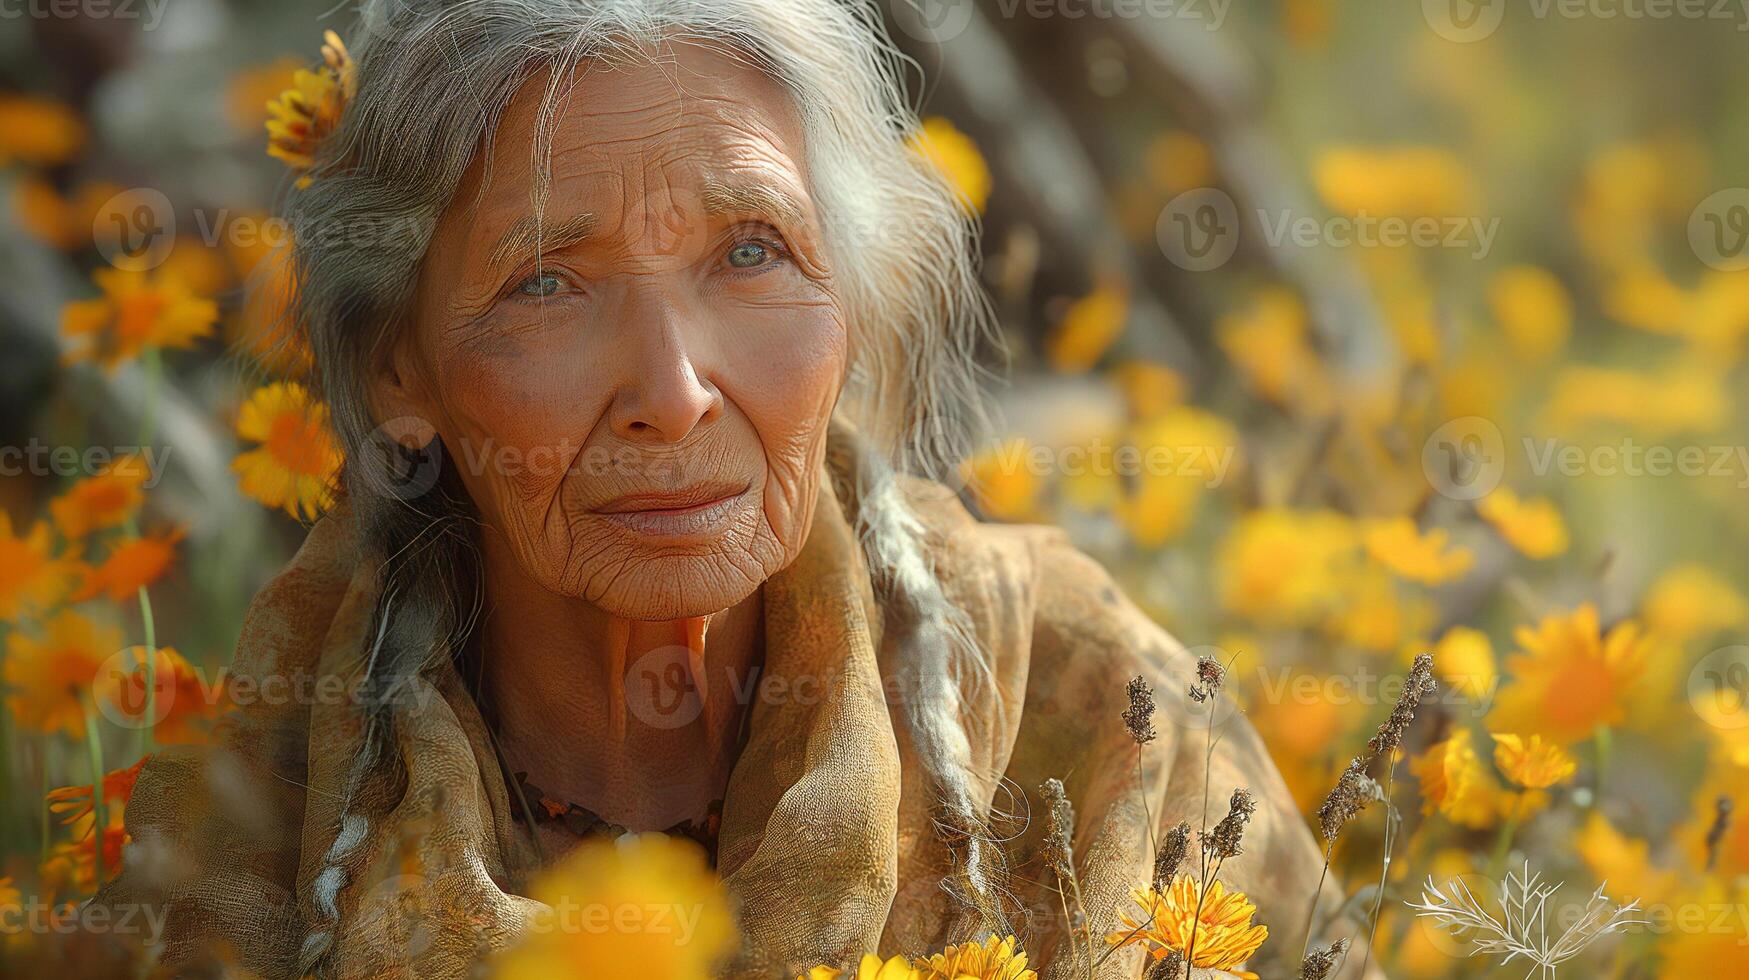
{"points": [[749, 255], [539, 285]]}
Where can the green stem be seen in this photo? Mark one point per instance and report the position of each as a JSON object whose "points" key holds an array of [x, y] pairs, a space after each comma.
{"points": [[150, 627], [1502, 848], [1604, 744], [153, 362], [94, 744]]}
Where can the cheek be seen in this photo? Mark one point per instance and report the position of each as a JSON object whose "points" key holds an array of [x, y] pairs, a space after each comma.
{"points": [[784, 373]]}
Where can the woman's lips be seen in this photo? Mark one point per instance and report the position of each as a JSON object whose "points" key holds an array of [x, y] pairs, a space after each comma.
{"points": [[691, 512]]}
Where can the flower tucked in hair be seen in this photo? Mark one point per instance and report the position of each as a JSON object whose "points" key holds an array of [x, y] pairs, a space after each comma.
{"points": [[305, 114], [996, 958], [1225, 935]]}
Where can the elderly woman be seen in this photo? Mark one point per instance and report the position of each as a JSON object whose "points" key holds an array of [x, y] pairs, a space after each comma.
{"points": [[662, 320]]}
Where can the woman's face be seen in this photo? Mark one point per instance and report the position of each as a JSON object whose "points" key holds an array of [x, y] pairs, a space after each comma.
{"points": [[636, 390]]}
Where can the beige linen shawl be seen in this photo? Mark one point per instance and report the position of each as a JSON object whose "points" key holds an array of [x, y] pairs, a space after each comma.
{"points": [[827, 843]]}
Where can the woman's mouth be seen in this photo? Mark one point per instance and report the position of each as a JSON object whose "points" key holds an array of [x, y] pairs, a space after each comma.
{"points": [[697, 511]]}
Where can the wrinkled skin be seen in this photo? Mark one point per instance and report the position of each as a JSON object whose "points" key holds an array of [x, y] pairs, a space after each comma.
{"points": [[637, 407], [688, 338]]}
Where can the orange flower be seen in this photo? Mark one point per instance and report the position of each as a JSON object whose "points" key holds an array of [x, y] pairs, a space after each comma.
{"points": [[1532, 526], [1533, 763], [1454, 781], [38, 131], [182, 704], [137, 310], [298, 462], [131, 566], [1571, 678], [109, 499], [74, 804], [1396, 544], [62, 222], [1225, 935], [50, 675], [31, 578], [251, 91], [74, 863], [303, 115]]}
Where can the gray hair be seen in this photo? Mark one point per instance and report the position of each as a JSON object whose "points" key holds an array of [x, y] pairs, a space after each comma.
{"points": [[433, 76]]}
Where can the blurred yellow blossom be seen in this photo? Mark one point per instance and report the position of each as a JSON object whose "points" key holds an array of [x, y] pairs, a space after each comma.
{"points": [[250, 90], [1623, 861], [1570, 678], [1183, 454], [1424, 557], [1533, 311], [50, 672], [1088, 328], [1149, 389], [38, 131], [1375, 614], [1455, 783], [1464, 658], [137, 310], [1004, 482], [957, 158], [1534, 762], [1692, 600], [1280, 565], [1397, 181], [1533, 525], [1682, 397], [130, 566], [1267, 341], [32, 578], [1179, 161], [297, 463], [64, 222], [109, 498], [640, 872]]}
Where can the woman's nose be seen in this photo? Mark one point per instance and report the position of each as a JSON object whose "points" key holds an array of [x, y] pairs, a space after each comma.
{"points": [[663, 397]]}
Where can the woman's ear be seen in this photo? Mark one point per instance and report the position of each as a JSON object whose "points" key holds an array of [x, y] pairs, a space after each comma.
{"points": [[401, 402]]}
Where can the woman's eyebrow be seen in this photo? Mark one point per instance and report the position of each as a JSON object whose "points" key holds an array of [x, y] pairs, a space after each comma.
{"points": [[528, 234], [744, 198]]}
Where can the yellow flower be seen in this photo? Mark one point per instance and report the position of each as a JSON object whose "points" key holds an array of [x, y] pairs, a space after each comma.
{"points": [[1570, 678], [137, 310], [298, 461], [305, 114], [131, 566], [1533, 311], [1623, 861], [1464, 658], [1692, 600], [1150, 390], [37, 131], [1268, 343], [1178, 160], [1225, 934], [1682, 397], [1375, 614], [62, 222], [957, 158], [1003, 481], [109, 499], [50, 675], [630, 876], [1396, 544], [1402, 181], [251, 90], [31, 578], [993, 959], [1533, 763], [1183, 452], [1532, 526], [1285, 566], [1455, 783], [1088, 328]]}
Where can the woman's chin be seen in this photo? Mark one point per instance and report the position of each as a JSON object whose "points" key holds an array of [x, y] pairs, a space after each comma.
{"points": [[674, 587]]}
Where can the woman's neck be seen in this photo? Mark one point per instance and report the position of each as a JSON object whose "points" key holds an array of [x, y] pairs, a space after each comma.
{"points": [[635, 720]]}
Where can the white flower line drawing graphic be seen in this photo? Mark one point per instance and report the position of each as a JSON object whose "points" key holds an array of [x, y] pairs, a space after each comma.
{"points": [[1521, 930]]}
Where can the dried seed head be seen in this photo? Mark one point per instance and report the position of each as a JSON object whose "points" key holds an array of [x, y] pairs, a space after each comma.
{"points": [[1138, 718], [1715, 834], [1353, 791], [1320, 962], [1209, 675], [1224, 840], [1059, 848], [1417, 685], [1171, 854]]}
